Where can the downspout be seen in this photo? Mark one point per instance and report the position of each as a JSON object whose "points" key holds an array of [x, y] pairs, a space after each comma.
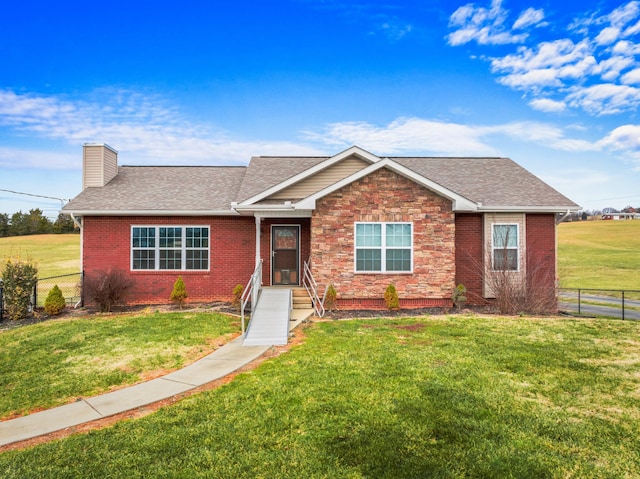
{"points": [[78, 223], [258, 222]]}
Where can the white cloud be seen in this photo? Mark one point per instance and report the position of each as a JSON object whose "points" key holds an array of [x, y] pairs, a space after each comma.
{"points": [[593, 72], [605, 99], [632, 77], [406, 135], [485, 25], [547, 65], [626, 137], [610, 68], [621, 16], [143, 128], [394, 29], [529, 17], [432, 137], [608, 36], [548, 105]]}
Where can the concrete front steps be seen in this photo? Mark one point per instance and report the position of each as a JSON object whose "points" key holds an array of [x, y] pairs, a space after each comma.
{"points": [[301, 299]]}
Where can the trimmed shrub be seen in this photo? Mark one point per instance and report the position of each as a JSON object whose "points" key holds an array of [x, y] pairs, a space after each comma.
{"points": [[107, 288], [391, 297], [179, 294], [459, 297], [331, 297], [19, 279], [55, 303], [237, 296]]}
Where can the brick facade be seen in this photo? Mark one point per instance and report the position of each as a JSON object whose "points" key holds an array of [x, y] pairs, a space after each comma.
{"points": [[541, 257], [107, 244], [385, 196], [447, 248], [469, 255]]}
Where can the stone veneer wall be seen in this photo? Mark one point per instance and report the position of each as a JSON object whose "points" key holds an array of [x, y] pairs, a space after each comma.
{"points": [[385, 196]]}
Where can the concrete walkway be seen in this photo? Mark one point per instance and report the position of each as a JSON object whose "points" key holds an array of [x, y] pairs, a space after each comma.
{"points": [[231, 357]]}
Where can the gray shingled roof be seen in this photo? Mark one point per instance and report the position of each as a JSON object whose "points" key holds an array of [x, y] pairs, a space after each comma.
{"points": [[493, 182], [265, 172], [164, 188]]}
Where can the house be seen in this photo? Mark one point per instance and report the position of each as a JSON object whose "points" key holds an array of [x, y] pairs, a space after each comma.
{"points": [[360, 222]]}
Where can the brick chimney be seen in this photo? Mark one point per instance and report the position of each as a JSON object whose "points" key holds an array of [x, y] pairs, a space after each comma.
{"points": [[99, 164]]}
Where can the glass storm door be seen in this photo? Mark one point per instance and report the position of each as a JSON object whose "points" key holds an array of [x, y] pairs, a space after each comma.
{"points": [[285, 251]]}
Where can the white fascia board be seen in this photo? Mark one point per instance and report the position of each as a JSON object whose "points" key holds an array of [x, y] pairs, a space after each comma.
{"points": [[459, 203], [354, 150], [151, 213], [528, 209]]}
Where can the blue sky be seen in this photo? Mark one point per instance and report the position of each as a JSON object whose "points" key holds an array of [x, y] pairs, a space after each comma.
{"points": [[553, 85]]}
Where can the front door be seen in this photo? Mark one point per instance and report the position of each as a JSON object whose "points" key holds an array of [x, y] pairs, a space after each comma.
{"points": [[285, 254]]}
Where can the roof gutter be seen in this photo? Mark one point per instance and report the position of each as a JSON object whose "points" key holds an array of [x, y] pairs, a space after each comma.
{"points": [[527, 209], [151, 213]]}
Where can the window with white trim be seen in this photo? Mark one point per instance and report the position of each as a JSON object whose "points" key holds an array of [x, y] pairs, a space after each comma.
{"points": [[383, 247], [170, 248], [505, 247]]}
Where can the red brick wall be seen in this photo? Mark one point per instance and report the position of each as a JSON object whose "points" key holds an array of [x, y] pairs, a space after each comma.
{"points": [[541, 254], [469, 255], [107, 244], [386, 197]]}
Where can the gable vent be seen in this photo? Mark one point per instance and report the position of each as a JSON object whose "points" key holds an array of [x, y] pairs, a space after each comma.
{"points": [[99, 164]]}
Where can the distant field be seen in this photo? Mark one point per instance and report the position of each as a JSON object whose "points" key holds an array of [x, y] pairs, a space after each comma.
{"points": [[54, 255], [599, 254]]}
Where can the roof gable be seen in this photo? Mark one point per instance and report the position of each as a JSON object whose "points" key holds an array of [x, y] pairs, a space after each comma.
{"points": [[459, 202], [320, 166]]}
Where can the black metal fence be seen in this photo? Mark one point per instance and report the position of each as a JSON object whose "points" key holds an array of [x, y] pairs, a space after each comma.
{"points": [[614, 303], [2, 311], [69, 284]]}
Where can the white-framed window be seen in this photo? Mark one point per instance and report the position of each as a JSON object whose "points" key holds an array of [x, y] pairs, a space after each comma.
{"points": [[505, 251], [170, 248], [383, 247]]}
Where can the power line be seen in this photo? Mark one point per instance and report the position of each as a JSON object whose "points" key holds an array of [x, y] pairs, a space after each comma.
{"points": [[36, 196]]}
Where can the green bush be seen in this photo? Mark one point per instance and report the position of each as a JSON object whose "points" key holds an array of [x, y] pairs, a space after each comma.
{"points": [[19, 279], [55, 303], [179, 294], [237, 296], [391, 297], [331, 297], [459, 296]]}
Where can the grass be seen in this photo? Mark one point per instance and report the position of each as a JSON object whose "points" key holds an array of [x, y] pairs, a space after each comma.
{"points": [[55, 362], [599, 254], [443, 397], [54, 255]]}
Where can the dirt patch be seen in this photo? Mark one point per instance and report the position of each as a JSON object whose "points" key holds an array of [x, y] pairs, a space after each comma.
{"points": [[410, 327]]}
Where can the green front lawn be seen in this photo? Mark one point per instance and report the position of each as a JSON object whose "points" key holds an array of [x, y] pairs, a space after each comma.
{"points": [[444, 397], [57, 361]]}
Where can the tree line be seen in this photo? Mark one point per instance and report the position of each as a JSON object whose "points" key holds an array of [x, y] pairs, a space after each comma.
{"points": [[34, 223]]}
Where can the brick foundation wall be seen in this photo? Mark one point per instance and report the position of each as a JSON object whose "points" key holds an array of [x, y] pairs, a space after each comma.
{"points": [[385, 196], [107, 244], [469, 255]]}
